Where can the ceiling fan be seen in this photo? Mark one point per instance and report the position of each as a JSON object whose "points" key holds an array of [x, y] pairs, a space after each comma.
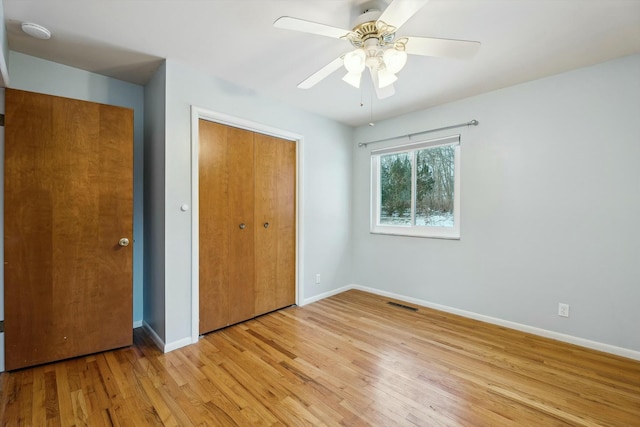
{"points": [[376, 46]]}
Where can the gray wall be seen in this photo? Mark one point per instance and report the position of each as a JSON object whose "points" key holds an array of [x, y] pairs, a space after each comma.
{"points": [[326, 207], [37, 75], [550, 207]]}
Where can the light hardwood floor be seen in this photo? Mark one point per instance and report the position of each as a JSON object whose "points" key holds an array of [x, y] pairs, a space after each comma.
{"points": [[351, 359]]}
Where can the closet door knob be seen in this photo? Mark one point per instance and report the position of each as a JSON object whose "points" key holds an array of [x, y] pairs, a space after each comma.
{"points": [[242, 226], [266, 225], [123, 242]]}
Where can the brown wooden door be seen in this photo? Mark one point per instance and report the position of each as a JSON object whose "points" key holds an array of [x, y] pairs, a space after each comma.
{"points": [[275, 212], [226, 193], [246, 180], [214, 225], [68, 202], [242, 225]]}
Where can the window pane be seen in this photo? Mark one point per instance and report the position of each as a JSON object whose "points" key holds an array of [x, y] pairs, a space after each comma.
{"points": [[434, 186], [395, 189]]}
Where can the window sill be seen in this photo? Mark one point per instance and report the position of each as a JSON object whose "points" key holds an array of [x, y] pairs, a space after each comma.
{"points": [[425, 232]]}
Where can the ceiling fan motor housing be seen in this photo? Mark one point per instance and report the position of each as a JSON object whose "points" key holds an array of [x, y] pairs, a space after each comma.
{"points": [[367, 27], [367, 16]]}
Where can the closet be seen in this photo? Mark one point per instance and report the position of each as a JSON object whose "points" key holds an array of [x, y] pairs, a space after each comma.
{"points": [[247, 224]]}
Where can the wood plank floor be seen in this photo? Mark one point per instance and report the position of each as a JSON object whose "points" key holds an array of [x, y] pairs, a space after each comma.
{"points": [[351, 359]]}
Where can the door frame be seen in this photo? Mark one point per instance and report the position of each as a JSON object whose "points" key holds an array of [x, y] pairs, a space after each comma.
{"points": [[198, 113]]}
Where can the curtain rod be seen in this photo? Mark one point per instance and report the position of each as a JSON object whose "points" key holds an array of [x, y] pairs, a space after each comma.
{"points": [[471, 123]]}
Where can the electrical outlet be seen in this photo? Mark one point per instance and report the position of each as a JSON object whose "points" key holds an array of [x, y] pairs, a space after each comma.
{"points": [[563, 310], [318, 279]]}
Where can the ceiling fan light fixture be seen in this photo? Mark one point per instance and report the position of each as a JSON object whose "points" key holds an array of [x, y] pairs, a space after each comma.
{"points": [[385, 78], [373, 36], [394, 59], [354, 61], [353, 79]]}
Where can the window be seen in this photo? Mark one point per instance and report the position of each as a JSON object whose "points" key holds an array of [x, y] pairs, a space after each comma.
{"points": [[416, 189]]}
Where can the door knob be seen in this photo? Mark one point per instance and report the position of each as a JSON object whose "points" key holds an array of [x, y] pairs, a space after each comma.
{"points": [[123, 242], [242, 226], [266, 225]]}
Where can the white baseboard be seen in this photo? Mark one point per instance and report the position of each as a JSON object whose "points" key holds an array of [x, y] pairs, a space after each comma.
{"points": [[595, 345], [174, 345], [327, 294], [159, 342]]}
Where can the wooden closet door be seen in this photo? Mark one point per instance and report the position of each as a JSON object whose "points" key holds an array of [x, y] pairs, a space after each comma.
{"points": [[275, 201], [242, 225], [68, 202], [214, 225], [226, 236]]}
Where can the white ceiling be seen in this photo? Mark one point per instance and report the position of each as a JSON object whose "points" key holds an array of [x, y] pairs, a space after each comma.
{"points": [[234, 40]]}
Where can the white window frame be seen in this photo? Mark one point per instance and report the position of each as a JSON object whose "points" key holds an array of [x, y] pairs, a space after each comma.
{"points": [[411, 229]]}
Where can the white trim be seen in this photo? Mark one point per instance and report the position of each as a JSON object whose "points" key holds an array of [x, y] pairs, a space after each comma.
{"points": [[583, 342], [195, 227], [299, 222], [137, 324], [165, 347], [198, 113], [177, 344], [326, 295]]}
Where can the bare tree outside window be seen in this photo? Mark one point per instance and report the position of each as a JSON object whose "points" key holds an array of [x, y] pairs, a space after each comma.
{"points": [[395, 185], [435, 186]]}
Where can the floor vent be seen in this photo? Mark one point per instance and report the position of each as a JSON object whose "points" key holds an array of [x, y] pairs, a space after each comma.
{"points": [[406, 307]]}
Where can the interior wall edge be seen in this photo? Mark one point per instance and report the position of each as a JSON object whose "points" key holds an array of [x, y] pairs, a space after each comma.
{"points": [[159, 342], [2, 229]]}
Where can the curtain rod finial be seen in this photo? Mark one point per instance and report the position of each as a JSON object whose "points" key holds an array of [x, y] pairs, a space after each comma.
{"points": [[474, 122]]}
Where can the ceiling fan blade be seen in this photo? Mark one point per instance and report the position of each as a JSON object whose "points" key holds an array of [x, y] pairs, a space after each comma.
{"points": [[325, 71], [295, 24], [445, 48], [399, 11], [384, 92]]}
